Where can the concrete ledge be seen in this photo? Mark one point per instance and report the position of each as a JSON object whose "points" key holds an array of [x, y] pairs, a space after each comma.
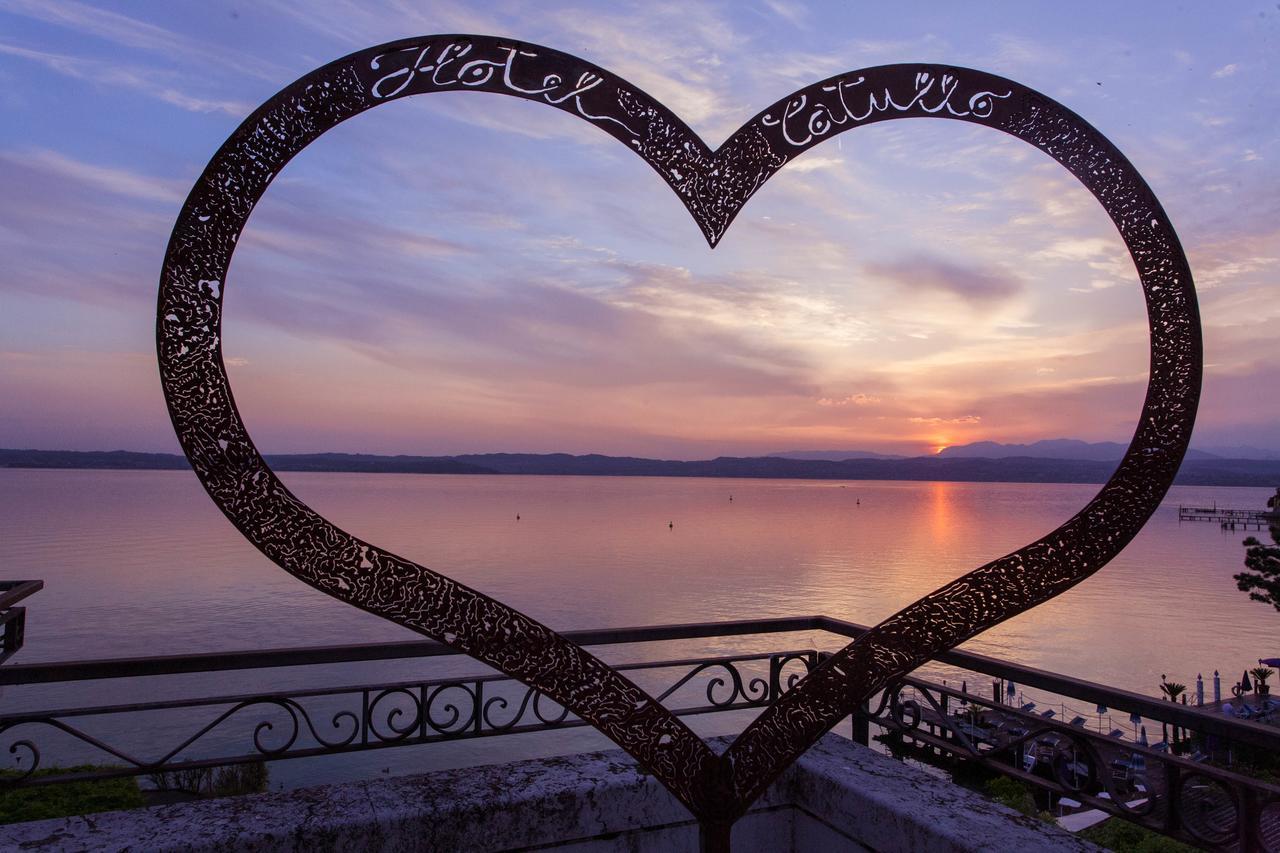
{"points": [[839, 797]]}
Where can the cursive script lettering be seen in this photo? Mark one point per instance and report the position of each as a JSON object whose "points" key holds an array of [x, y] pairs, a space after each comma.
{"points": [[447, 69], [801, 123]]}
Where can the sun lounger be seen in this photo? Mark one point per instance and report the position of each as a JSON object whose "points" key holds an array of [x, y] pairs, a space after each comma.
{"points": [[1046, 747]]}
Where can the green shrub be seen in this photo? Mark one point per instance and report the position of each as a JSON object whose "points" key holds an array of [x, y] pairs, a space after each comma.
{"points": [[76, 798], [65, 800], [1012, 793], [1124, 837]]}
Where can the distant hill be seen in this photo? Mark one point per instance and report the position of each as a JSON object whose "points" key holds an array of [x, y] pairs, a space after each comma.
{"points": [[344, 462], [1011, 469], [1057, 448], [118, 459], [367, 463], [1241, 451], [834, 455]]}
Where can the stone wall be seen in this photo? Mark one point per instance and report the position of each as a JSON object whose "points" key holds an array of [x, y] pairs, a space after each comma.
{"points": [[839, 797]]}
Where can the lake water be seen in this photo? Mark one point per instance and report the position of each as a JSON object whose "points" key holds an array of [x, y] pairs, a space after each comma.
{"points": [[139, 563]]}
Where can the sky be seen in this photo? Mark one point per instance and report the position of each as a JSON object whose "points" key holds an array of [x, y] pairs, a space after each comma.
{"points": [[464, 272]]}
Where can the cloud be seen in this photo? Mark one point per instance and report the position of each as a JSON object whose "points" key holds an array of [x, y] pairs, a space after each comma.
{"points": [[963, 419], [672, 50], [130, 32], [811, 163], [1239, 259], [975, 286], [851, 400], [793, 13], [1211, 121], [1013, 51], [358, 23], [1081, 248], [532, 332], [1226, 71], [120, 182], [291, 230], [766, 305], [82, 231], [144, 81]]}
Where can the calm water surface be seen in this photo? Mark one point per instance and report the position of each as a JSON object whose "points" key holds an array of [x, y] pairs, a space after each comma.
{"points": [[141, 563]]}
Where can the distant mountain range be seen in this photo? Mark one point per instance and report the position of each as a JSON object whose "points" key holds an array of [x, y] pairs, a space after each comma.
{"points": [[834, 455], [1210, 471], [1051, 448]]}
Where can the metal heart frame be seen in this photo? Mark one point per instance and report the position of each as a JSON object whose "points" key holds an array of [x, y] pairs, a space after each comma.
{"points": [[714, 186]]}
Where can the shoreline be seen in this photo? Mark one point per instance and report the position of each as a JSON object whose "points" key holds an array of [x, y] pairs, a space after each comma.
{"points": [[1014, 469]]}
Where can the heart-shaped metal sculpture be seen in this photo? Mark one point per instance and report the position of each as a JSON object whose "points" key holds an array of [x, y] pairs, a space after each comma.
{"points": [[714, 186]]}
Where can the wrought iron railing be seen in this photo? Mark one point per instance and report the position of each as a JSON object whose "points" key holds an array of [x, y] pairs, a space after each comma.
{"points": [[12, 617], [1178, 796], [306, 723]]}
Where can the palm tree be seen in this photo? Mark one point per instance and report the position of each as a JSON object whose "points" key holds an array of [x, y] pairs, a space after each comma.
{"points": [[1171, 690], [1260, 675]]}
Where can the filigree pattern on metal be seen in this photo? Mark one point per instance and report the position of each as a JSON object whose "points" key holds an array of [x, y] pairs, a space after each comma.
{"points": [[324, 721], [714, 186]]}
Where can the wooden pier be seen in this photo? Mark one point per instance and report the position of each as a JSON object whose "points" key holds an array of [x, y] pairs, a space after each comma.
{"points": [[1230, 519]]}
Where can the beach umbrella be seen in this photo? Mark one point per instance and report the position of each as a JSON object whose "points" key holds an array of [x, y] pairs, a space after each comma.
{"points": [[1269, 661], [1102, 709], [1011, 692], [1135, 718], [1199, 689], [1142, 738], [1217, 687], [1245, 684], [964, 688]]}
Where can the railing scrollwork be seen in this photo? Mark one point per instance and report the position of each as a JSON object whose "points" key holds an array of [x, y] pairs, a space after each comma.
{"points": [[384, 715], [1197, 802]]}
